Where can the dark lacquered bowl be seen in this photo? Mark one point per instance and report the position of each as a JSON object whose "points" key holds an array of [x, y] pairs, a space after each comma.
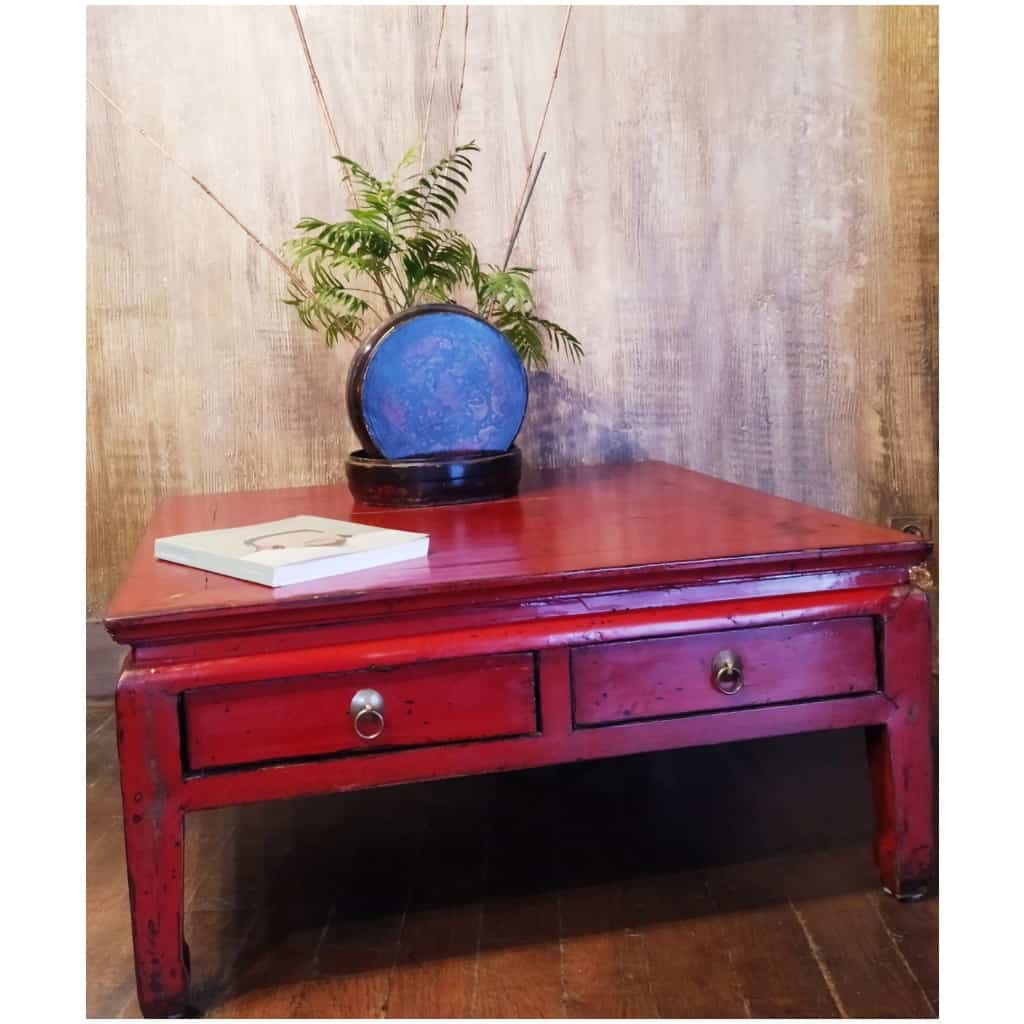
{"points": [[446, 479]]}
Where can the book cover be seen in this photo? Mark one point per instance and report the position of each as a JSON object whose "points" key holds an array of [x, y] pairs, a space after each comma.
{"points": [[293, 550]]}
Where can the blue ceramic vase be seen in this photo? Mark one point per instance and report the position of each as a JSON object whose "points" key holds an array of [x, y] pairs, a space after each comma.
{"points": [[433, 381]]}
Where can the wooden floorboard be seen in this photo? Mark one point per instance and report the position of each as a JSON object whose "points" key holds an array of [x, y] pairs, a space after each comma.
{"points": [[436, 970], [732, 881], [519, 969], [914, 929], [866, 971], [605, 960]]}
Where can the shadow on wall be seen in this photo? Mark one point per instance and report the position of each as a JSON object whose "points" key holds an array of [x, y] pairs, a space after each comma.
{"points": [[566, 427]]}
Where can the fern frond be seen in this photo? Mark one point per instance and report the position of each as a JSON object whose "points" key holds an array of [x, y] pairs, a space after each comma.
{"points": [[436, 194], [507, 289], [316, 313], [367, 183], [394, 245], [435, 262], [522, 332], [561, 340], [408, 158], [360, 246]]}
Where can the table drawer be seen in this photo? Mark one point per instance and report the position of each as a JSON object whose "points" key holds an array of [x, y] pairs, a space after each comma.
{"points": [[436, 702], [638, 679]]}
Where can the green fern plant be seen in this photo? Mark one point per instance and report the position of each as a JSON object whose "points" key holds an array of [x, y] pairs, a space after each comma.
{"points": [[396, 251]]}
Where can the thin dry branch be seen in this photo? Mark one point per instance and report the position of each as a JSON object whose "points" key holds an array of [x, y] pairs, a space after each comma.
{"points": [[430, 94], [323, 102], [462, 79], [295, 279], [521, 205], [522, 213]]}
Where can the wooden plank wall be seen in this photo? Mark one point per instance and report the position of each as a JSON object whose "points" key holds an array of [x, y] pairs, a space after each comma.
{"points": [[737, 215]]}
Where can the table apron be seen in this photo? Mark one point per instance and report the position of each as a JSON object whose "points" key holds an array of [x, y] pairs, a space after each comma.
{"points": [[328, 775], [557, 740]]}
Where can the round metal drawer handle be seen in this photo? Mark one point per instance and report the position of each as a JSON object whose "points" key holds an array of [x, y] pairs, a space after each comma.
{"points": [[727, 673], [367, 710]]}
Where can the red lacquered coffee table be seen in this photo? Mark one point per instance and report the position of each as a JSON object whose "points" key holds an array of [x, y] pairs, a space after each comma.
{"points": [[605, 611]]}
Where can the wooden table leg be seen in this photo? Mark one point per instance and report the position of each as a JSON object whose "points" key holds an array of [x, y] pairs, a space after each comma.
{"points": [[900, 754], [151, 777]]}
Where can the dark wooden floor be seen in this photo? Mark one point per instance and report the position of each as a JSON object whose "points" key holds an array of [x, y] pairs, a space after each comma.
{"points": [[720, 882]]}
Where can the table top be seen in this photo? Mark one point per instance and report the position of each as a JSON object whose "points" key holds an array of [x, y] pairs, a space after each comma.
{"points": [[606, 527]]}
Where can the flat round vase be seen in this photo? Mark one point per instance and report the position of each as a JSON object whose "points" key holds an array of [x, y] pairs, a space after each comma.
{"points": [[446, 479], [436, 379]]}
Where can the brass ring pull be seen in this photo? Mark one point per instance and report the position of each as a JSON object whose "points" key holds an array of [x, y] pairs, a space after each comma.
{"points": [[727, 673], [367, 710]]}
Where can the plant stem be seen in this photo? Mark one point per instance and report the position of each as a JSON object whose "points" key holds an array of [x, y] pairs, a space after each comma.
{"points": [[297, 281], [361, 291], [378, 281], [402, 285], [462, 79], [520, 206], [430, 95], [522, 213], [366, 291], [323, 103]]}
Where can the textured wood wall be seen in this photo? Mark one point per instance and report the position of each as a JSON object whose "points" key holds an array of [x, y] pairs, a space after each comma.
{"points": [[737, 215]]}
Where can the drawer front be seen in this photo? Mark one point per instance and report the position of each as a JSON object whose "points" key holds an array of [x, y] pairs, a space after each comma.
{"points": [[437, 702], [638, 679]]}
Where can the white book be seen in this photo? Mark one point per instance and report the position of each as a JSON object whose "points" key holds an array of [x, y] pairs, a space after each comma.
{"points": [[292, 550]]}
